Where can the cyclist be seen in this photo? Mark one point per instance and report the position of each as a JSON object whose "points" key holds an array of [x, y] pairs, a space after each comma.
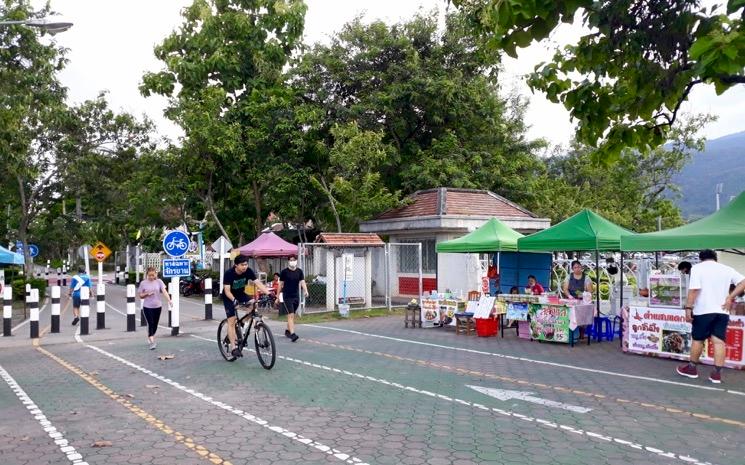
{"points": [[234, 292]]}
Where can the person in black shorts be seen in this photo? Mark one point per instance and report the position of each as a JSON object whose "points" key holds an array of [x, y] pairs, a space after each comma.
{"points": [[234, 292], [291, 279], [707, 307]]}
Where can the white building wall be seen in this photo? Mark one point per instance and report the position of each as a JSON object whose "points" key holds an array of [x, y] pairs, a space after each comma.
{"points": [[457, 271]]}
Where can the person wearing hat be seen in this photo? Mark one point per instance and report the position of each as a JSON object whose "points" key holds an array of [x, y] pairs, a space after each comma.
{"points": [[234, 292], [76, 284], [291, 280]]}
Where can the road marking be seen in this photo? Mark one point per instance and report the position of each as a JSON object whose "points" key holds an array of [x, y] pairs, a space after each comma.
{"points": [[530, 360], [25, 322], [49, 326], [506, 394], [252, 418], [481, 374], [70, 452], [537, 421], [180, 438]]}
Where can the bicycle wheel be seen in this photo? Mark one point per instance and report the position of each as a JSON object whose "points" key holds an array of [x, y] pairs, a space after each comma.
{"points": [[265, 348], [223, 342]]}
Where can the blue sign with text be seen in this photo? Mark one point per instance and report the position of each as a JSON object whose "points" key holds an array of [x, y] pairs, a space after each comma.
{"points": [[176, 243], [33, 249], [176, 267]]}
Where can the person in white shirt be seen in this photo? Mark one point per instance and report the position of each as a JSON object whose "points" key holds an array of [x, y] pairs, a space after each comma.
{"points": [[707, 307]]}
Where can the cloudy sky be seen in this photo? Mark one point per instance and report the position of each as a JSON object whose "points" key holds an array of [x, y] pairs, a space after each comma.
{"points": [[111, 46]]}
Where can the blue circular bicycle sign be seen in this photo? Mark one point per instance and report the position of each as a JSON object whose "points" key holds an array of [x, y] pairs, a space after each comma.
{"points": [[176, 243]]}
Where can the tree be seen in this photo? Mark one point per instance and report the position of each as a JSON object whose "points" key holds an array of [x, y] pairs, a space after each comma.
{"points": [[224, 74], [625, 80], [633, 192], [30, 98], [432, 95]]}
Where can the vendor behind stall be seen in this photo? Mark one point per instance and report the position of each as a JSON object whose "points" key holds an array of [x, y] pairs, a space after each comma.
{"points": [[577, 282], [533, 286]]}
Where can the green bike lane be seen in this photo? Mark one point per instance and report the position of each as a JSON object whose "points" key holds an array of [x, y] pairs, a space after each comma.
{"points": [[383, 423]]}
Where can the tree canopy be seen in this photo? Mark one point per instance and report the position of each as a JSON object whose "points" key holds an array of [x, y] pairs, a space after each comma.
{"points": [[624, 81]]}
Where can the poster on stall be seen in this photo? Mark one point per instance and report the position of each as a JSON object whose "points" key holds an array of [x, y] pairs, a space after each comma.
{"points": [[664, 332], [549, 322], [486, 304], [430, 312], [448, 309], [517, 311]]}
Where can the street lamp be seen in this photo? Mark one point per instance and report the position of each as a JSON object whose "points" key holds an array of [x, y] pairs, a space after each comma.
{"points": [[718, 190], [52, 28]]}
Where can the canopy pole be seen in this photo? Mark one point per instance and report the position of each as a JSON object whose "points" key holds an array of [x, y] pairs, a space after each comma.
{"points": [[620, 305], [597, 276]]}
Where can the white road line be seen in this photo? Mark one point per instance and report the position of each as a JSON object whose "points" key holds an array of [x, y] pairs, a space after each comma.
{"points": [[252, 418], [25, 322], [529, 360], [64, 446], [519, 416]]}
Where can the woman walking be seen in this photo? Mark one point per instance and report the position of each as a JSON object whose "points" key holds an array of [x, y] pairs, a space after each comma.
{"points": [[149, 291]]}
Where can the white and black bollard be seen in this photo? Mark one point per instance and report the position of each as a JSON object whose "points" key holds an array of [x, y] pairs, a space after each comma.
{"points": [[59, 277], [64, 275], [85, 309], [34, 305], [7, 309], [101, 306], [55, 308], [116, 276], [208, 299], [175, 298], [131, 307], [46, 273]]}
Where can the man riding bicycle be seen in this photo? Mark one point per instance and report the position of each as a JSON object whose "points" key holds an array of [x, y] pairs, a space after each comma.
{"points": [[234, 292]]}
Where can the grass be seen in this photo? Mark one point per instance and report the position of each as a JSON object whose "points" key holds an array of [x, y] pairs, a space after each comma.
{"points": [[335, 316]]}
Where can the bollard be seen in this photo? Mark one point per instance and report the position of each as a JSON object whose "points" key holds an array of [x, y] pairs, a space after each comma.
{"points": [[25, 303], [34, 305], [85, 309], [175, 297], [130, 307], [208, 299], [116, 276], [55, 308], [7, 309], [101, 306], [59, 277], [46, 274], [64, 275], [170, 313]]}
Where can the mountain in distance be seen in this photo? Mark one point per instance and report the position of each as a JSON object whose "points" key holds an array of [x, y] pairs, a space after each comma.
{"points": [[722, 161]]}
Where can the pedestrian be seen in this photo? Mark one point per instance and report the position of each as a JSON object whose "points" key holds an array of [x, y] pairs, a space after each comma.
{"points": [[76, 284], [234, 292], [150, 290], [685, 267], [707, 308], [576, 282], [291, 280]]}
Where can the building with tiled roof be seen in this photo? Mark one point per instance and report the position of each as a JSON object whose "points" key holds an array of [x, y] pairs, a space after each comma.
{"points": [[436, 215], [350, 239]]}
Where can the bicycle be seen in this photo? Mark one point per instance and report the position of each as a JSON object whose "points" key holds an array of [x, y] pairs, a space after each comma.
{"points": [[266, 350]]}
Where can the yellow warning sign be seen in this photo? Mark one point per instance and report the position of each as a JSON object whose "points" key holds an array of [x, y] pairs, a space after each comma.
{"points": [[99, 251]]}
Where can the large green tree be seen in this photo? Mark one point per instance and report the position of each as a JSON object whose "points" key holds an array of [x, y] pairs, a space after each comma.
{"points": [[224, 76], [431, 94], [31, 97], [625, 79]]}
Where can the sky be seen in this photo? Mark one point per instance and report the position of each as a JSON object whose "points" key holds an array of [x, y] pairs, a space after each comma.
{"points": [[111, 47]]}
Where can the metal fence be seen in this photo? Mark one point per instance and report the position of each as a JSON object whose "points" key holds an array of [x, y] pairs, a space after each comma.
{"points": [[362, 277]]}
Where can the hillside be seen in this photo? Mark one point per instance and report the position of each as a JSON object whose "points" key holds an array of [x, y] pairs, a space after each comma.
{"points": [[723, 161]]}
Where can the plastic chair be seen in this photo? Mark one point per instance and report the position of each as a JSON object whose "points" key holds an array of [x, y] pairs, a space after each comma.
{"points": [[601, 329]]}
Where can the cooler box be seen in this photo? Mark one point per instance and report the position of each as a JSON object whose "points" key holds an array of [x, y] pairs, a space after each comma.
{"points": [[486, 327]]}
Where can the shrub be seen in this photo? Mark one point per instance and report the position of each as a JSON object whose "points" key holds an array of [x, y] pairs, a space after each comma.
{"points": [[19, 288]]}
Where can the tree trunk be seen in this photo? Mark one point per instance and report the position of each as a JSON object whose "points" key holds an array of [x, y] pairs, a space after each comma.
{"points": [[257, 205], [333, 204], [23, 229]]}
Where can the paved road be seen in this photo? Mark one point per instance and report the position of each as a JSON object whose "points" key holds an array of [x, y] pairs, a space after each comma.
{"points": [[362, 391]]}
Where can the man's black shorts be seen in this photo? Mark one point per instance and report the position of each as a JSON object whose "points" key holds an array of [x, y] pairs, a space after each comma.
{"points": [[709, 324], [76, 301], [291, 304], [230, 307]]}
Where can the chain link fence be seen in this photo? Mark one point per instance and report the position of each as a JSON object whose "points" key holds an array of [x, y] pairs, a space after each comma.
{"points": [[361, 277]]}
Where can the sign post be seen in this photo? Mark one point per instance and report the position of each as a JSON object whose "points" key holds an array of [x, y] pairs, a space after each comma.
{"points": [[222, 245], [175, 244], [100, 252]]}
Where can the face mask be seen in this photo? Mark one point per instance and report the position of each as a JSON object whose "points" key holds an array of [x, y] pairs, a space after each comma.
{"points": [[292, 263]]}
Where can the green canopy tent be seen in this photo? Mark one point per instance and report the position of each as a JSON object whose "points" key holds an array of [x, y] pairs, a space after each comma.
{"points": [[8, 257], [585, 230], [724, 229], [492, 236]]}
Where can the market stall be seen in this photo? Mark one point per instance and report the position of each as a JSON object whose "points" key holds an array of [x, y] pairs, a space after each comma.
{"points": [[655, 324], [546, 319], [584, 231]]}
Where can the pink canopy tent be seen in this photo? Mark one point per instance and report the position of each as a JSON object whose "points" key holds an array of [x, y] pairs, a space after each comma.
{"points": [[268, 245]]}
